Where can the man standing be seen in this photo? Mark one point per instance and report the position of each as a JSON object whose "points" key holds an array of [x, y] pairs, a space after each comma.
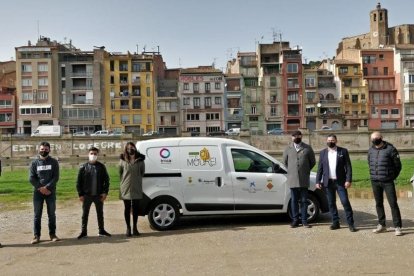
{"points": [[44, 175], [335, 172], [384, 167], [299, 160], [92, 186]]}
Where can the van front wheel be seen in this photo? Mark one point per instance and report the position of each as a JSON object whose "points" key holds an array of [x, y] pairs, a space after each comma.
{"points": [[163, 214]]}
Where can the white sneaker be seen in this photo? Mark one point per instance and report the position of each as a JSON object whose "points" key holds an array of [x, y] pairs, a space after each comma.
{"points": [[398, 231], [380, 229]]}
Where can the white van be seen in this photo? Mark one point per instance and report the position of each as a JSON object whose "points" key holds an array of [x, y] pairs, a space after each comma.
{"points": [[214, 176], [233, 131], [48, 131]]}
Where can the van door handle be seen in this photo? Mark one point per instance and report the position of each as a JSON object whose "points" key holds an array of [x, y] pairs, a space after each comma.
{"points": [[219, 183], [241, 177]]}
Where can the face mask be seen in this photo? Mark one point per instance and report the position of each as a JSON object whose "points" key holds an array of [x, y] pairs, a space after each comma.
{"points": [[297, 140], [93, 158], [377, 141], [43, 153], [331, 144], [131, 151]]}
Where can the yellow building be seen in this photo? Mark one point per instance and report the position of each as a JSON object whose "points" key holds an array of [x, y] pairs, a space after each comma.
{"points": [[354, 94], [130, 94]]}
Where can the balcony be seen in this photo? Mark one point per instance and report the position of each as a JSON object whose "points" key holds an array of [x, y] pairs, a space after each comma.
{"points": [[167, 109], [80, 87], [81, 75], [331, 116]]}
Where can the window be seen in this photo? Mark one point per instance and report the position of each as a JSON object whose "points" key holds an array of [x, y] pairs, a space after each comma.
{"points": [[186, 86], [354, 98], [43, 81], [137, 118], [385, 71], [346, 96], [149, 104], [381, 56], [112, 80], [254, 109], [149, 119], [373, 110], [135, 67], [217, 100], [365, 71], [411, 79], [5, 103], [249, 161], [113, 119], [26, 82], [196, 87], [384, 111], [273, 82], [292, 68], [273, 111], [136, 104], [217, 86], [212, 116], [207, 102], [42, 95], [42, 67], [186, 101], [5, 117], [395, 111], [207, 87], [375, 72], [310, 82], [368, 59], [196, 102], [343, 70], [26, 67], [27, 96], [148, 78], [124, 119], [193, 117], [148, 91], [111, 65]]}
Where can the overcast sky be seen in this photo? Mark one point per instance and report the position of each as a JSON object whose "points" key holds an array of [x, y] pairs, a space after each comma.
{"points": [[192, 32]]}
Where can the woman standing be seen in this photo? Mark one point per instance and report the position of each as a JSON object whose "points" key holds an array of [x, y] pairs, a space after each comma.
{"points": [[131, 171]]}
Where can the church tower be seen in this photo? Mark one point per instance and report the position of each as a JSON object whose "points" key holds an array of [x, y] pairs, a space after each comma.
{"points": [[379, 27]]}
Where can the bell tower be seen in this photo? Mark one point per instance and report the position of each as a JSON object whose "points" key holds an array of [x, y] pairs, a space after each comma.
{"points": [[379, 27]]}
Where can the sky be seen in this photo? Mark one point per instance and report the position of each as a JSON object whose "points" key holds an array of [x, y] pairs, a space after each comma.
{"points": [[190, 33]]}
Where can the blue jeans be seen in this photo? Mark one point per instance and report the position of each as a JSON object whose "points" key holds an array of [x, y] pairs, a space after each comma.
{"points": [[296, 194], [38, 200], [331, 191], [378, 188]]}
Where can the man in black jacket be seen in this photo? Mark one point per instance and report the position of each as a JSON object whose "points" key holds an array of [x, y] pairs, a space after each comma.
{"points": [[93, 187], [384, 167], [335, 176]]}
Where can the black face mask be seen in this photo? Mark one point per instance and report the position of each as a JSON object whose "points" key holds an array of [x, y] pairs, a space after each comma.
{"points": [[331, 144], [131, 151], [297, 140], [377, 141], [43, 153]]}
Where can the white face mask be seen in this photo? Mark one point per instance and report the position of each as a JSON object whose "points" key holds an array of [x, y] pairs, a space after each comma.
{"points": [[93, 158]]}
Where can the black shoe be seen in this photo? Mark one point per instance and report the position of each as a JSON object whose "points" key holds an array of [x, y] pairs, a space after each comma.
{"points": [[103, 233], [135, 232], [352, 228], [305, 225], [334, 226], [128, 232], [294, 224], [82, 235]]}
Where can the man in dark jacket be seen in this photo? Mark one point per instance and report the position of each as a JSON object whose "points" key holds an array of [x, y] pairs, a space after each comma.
{"points": [[384, 167], [44, 175], [335, 176], [93, 187], [299, 160]]}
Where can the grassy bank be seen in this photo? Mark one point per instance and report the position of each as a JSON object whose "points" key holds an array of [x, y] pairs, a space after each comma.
{"points": [[15, 187]]}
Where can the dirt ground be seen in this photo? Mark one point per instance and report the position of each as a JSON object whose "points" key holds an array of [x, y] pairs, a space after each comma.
{"points": [[255, 245]]}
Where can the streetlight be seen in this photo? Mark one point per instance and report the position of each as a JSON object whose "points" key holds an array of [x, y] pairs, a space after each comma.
{"points": [[319, 105]]}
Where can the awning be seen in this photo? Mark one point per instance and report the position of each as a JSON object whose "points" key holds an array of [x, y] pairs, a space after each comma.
{"points": [[35, 106]]}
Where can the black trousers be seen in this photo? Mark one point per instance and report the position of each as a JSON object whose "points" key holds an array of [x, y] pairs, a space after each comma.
{"points": [[131, 204], [86, 206]]}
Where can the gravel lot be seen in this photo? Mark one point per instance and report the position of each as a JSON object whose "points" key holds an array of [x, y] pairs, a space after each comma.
{"points": [[259, 245]]}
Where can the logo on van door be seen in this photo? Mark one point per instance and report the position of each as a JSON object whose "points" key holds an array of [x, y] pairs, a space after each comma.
{"points": [[201, 158]]}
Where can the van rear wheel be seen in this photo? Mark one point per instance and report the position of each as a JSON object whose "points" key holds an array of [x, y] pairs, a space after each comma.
{"points": [[164, 214], [313, 208]]}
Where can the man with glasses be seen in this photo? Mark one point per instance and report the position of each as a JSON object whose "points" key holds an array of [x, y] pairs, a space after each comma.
{"points": [[299, 160], [93, 187], [44, 175]]}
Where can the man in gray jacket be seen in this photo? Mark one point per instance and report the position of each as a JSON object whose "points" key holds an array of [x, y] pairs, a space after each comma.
{"points": [[299, 160], [43, 175], [384, 167]]}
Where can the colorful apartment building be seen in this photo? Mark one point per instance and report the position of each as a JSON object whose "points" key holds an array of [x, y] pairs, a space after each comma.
{"points": [[384, 97], [7, 97], [201, 91], [38, 97], [168, 112], [130, 92]]}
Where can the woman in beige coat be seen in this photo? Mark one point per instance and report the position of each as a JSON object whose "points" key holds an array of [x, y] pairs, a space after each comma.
{"points": [[131, 171]]}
